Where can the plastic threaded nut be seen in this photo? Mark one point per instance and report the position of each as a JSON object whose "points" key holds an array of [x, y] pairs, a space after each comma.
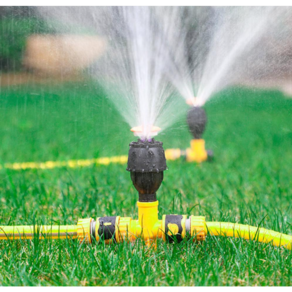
{"points": [[83, 230], [123, 229], [198, 227]]}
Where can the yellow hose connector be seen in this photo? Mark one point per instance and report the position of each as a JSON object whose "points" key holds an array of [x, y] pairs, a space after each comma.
{"points": [[83, 230], [172, 154], [148, 217], [197, 152], [124, 231], [174, 227], [198, 227]]}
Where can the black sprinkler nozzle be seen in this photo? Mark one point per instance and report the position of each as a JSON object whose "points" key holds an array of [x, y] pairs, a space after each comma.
{"points": [[146, 162], [197, 120]]}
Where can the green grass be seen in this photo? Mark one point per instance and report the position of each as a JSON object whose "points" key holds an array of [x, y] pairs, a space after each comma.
{"points": [[249, 182]]}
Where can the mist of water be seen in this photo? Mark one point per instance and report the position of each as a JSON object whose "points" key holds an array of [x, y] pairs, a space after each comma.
{"points": [[133, 70], [237, 31], [226, 46], [154, 52]]}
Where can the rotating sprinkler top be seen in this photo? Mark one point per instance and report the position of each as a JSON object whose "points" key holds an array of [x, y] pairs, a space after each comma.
{"points": [[145, 132], [197, 120], [146, 163], [194, 101]]}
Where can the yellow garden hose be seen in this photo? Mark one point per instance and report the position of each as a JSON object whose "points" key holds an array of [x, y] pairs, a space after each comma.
{"points": [[44, 231], [83, 230], [196, 153], [250, 233], [70, 163]]}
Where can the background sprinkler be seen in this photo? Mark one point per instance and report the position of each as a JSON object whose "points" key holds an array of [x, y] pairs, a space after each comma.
{"points": [[146, 163], [196, 120]]}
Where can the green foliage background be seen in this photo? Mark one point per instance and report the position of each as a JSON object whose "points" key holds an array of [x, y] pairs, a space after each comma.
{"points": [[14, 32]]}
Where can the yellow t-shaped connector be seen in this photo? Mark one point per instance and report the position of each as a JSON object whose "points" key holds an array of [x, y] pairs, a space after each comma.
{"points": [[148, 220], [197, 152]]}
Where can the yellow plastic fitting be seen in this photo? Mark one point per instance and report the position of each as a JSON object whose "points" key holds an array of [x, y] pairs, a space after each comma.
{"points": [[124, 230], [148, 217], [198, 227], [83, 230], [97, 238], [172, 154], [197, 152]]}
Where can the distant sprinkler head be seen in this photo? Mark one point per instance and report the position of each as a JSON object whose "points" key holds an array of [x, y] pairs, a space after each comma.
{"points": [[194, 101], [197, 120], [146, 163], [143, 132]]}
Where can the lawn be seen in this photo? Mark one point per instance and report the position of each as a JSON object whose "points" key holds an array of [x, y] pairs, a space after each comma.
{"points": [[249, 181]]}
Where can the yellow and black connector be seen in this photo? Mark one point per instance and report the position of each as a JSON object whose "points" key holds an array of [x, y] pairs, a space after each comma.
{"points": [[146, 163], [116, 229]]}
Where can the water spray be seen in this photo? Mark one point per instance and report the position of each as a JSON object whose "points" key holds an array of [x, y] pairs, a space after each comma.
{"points": [[146, 164], [196, 120]]}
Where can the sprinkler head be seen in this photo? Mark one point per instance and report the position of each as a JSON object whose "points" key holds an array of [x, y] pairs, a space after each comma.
{"points": [[197, 120], [146, 163], [194, 101], [145, 131]]}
